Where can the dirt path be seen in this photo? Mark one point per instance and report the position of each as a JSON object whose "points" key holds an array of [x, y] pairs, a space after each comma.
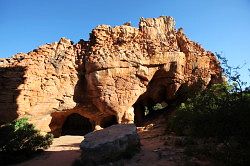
{"points": [[62, 152], [65, 150], [153, 149]]}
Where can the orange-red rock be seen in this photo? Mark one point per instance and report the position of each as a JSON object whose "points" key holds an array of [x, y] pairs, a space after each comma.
{"points": [[118, 69]]}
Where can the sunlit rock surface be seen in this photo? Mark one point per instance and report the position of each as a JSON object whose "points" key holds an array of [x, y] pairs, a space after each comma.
{"points": [[108, 79]]}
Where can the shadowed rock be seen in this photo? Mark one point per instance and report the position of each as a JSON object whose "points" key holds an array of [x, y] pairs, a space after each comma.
{"points": [[109, 144]]}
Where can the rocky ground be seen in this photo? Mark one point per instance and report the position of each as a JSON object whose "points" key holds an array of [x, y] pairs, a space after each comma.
{"points": [[154, 150]]}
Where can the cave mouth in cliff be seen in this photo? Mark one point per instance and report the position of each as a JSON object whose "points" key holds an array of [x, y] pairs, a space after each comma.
{"points": [[75, 124], [108, 121], [144, 113]]}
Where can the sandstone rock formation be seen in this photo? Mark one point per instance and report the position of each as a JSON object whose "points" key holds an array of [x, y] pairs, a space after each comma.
{"points": [[49, 76], [107, 79], [109, 144]]}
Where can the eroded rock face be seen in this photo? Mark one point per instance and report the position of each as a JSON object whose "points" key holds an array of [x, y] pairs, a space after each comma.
{"points": [[118, 70], [124, 62], [49, 77]]}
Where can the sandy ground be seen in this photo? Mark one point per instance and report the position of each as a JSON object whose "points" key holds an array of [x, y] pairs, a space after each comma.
{"points": [[153, 150], [65, 150], [62, 152]]}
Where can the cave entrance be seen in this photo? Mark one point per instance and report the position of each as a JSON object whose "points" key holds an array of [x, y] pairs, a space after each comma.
{"points": [[108, 121], [147, 111], [157, 97], [76, 124]]}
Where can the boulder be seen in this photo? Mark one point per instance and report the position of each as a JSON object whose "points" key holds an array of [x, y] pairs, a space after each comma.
{"points": [[109, 144]]}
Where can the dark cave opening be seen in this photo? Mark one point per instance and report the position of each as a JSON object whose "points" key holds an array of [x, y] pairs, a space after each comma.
{"points": [[76, 124], [144, 113], [157, 97], [108, 121]]}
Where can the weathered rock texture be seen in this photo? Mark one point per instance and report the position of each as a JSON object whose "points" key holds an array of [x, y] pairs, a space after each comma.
{"points": [[110, 144], [117, 72], [47, 79]]}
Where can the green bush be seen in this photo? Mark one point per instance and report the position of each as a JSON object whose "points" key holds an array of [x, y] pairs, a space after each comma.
{"points": [[22, 137], [215, 112], [222, 113]]}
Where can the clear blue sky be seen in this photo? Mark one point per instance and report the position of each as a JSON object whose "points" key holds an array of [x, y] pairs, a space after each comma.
{"points": [[218, 25]]}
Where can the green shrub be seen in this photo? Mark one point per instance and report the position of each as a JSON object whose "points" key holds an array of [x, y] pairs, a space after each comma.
{"points": [[22, 137], [215, 112], [222, 113], [217, 120]]}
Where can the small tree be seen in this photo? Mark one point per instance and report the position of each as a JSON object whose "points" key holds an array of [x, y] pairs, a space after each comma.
{"points": [[232, 73], [20, 136]]}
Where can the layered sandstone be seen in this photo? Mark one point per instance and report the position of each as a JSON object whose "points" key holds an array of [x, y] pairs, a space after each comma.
{"points": [[114, 74]]}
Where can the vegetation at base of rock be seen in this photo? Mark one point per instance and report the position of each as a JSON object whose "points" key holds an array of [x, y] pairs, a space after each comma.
{"points": [[216, 122], [215, 112], [20, 140]]}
